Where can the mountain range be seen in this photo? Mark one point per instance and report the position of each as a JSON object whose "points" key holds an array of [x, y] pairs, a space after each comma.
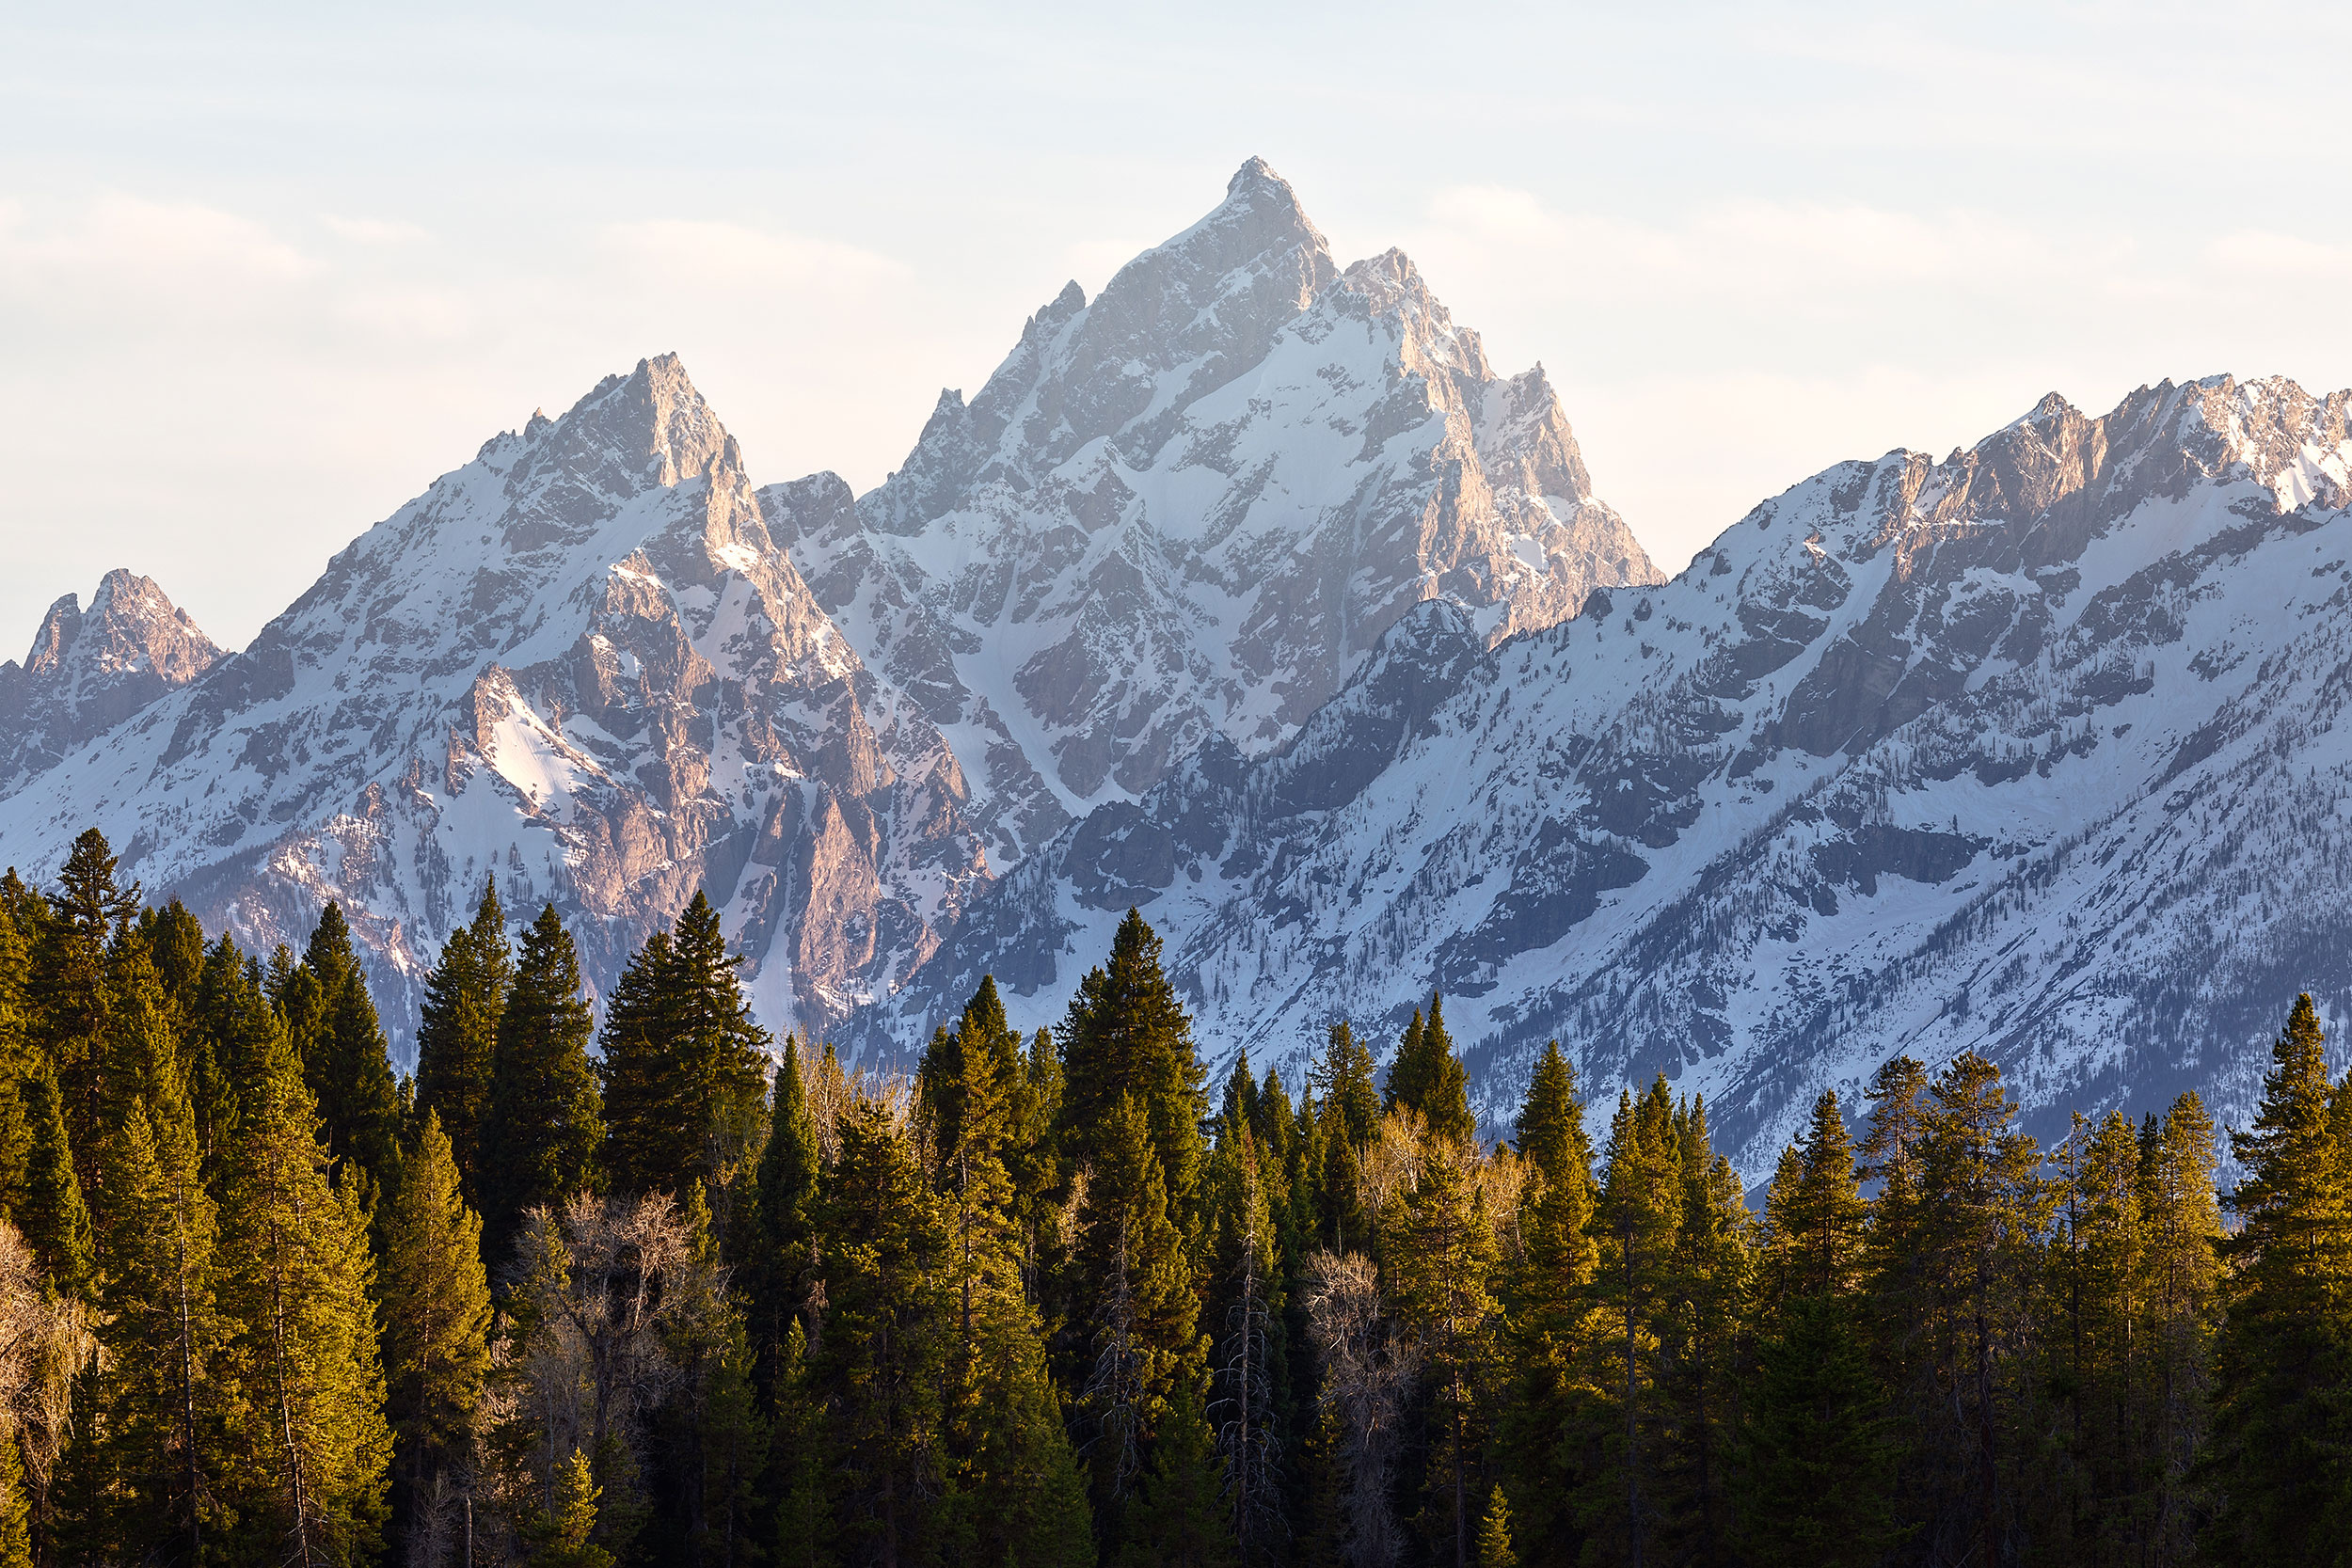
{"points": [[1248, 593]]}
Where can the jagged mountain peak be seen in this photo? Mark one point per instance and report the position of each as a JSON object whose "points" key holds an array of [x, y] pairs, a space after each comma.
{"points": [[2040, 751], [90, 669], [1189, 507], [580, 663]]}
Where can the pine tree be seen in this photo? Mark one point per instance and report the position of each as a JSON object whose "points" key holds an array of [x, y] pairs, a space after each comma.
{"points": [[1818, 1483], [1975, 1245], [1635, 1221], [1428, 1077], [344, 1062], [1180, 1519], [1140, 1314], [1494, 1534], [2182, 1259], [55, 1222], [232, 1028], [1345, 1083], [1699, 1337], [1548, 1289], [68, 984], [544, 1123], [457, 1034], [684, 1075], [312, 1443], [437, 1316], [1438, 1259], [1244, 1317], [2277, 1465], [779, 1261], [888, 1329], [160, 1384], [1127, 1035], [565, 1536]]}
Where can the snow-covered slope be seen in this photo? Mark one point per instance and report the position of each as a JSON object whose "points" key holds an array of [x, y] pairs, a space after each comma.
{"points": [[1186, 509], [2035, 751], [578, 661], [90, 669]]}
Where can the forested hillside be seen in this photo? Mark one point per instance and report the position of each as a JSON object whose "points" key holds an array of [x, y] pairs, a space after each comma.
{"points": [[651, 1287]]}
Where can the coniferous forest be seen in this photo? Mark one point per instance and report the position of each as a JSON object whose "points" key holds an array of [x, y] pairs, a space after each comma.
{"points": [[638, 1284]]}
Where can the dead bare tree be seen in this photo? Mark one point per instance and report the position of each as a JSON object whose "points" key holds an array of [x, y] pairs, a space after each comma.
{"points": [[1368, 1369]]}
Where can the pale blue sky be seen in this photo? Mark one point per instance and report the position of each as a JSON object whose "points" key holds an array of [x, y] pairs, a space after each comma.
{"points": [[263, 274]]}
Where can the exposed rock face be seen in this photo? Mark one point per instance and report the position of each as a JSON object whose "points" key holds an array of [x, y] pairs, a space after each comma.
{"points": [[89, 671], [1187, 509], [579, 662], [2040, 750]]}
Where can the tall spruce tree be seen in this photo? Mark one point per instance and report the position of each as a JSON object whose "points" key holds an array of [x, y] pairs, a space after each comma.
{"points": [[889, 1326], [684, 1067], [2278, 1465], [160, 1385], [1137, 1328], [457, 1034], [345, 1063], [1548, 1329], [1438, 1259], [1635, 1220], [1427, 1076], [543, 1122], [55, 1222], [780, 1259], [1127, 1035], [1818, 1483], [436, 1321], [310, 1446]]}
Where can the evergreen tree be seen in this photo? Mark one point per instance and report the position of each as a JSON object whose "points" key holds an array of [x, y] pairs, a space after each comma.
{"points": [[2181, 1255], [564, 1538], [1246, 1310], [1180, 1520], [160, 1381], [1494, 1534], [779, 1261], [1976, 1246], [684, 1074], [888, 1330], [544, 1123], [1127, 1035], [1140, 1312], [55, 1222], [69, 993], [1548, 1288], [2277, 1465], [1428, 1077], [457, 1034], [1346, 1082], [311, 1446], [1638, 1211], [345, 1065], [1819, 1472], [1438, 1259], [437, 1317], [1699, 1334]]}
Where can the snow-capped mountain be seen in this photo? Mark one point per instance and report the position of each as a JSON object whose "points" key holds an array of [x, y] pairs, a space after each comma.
{"points": [[578, 661], [90, 669], [2036, 750], [1187, 508]]}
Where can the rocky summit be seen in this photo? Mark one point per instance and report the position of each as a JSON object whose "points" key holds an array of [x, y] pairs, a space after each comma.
{"points": [[1185, 510], [2035, 751]]}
